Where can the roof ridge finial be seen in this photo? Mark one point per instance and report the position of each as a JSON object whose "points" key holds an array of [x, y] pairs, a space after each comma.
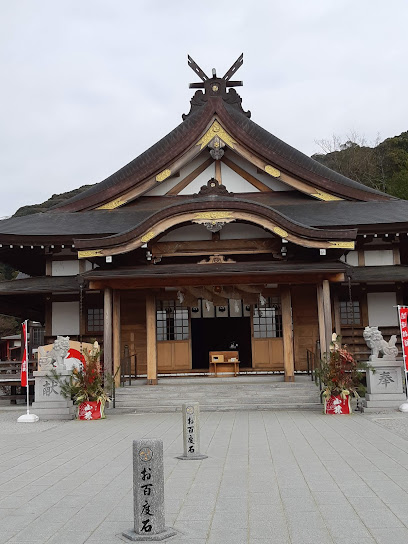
{"points": [[204, 78]]}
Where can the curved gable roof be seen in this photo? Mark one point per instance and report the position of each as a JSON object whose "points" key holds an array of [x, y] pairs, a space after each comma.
{"points": [[227, 108]]}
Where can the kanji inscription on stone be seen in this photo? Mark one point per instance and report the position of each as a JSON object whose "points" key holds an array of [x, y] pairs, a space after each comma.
{"points": [[191, 432], [148, 492]]}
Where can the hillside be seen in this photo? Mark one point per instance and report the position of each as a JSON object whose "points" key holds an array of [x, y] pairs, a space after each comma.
{"points": [[52, 201], [383, 166]]}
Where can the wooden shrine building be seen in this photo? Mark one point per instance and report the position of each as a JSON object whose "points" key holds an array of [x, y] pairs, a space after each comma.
{"points": [[219, 236]]}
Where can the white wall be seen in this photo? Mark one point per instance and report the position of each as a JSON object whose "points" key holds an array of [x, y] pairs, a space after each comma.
{"points": [[381, 309], [272, 183], [377, 257], [230, 179], [65, 268], [352, 258], [162, 188], [234, 182], [202, 179], [65, 318]]}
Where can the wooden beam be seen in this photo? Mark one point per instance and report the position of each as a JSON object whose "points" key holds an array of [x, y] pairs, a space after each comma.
{"points": [[327, 312], [151, 339], [116, 337], [216, 279], [287, 326], [320, 314], [363, 305], [218, 175], [396, 255], [209, 247], [191, 177], [47, 317], [337, 320], [246, 175], [107, 331]]}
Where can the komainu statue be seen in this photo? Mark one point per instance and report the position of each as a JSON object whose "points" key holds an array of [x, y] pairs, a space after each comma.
{"points": [[375, 341], [56, 357]]}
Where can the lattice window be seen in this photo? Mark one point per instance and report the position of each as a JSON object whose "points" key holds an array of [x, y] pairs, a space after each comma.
{"points": [[94, 321], [171, 320], [267, 319], [350, 312], [38, 337]]}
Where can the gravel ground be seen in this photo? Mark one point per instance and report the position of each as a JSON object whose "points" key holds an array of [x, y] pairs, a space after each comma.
{"points": [[394, 421]]}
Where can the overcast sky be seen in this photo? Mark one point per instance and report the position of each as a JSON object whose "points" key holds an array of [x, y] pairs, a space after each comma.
{"points": [[87, 85]]}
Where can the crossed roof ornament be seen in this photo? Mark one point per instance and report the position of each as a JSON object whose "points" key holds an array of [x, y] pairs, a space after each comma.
{"points": [[226, 77]]}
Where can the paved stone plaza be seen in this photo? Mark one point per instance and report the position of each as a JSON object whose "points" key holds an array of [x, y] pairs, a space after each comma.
{"points": [[271, 477]]}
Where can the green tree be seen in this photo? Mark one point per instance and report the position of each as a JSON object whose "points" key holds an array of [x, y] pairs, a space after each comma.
{"points": [[382, 166]]}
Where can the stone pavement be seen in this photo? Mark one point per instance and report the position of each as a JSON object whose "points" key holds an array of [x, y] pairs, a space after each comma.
{"points": [[271, 477]]}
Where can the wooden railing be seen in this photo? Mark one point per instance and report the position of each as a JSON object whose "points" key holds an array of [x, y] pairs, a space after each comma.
{"points": [[10, 380]]}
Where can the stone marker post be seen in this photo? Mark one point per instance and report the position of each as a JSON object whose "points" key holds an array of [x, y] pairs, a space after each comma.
{"points": [[148, 492], [191, 432]]}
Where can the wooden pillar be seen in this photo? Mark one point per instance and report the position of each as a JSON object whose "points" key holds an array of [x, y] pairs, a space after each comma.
{"points": [[327, 313], [116, 336], [218, 172], [107, 331], [151, 339], [287, 326], [320, 314], [337, 320]]}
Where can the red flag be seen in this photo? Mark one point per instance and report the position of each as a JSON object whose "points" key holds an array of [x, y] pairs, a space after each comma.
{"points": [[24, 362], [403, 317]]}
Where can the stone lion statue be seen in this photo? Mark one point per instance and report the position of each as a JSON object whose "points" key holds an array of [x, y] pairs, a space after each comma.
{"points": [[375, 341], [55, 357]]}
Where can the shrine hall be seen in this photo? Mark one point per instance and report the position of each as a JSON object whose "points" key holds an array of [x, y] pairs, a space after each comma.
{"points": [[221, 248]]}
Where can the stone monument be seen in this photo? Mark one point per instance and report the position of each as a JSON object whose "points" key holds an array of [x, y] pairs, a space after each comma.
{"points": [[191, 432], [49, 403], [148, 492], [385, 378]]}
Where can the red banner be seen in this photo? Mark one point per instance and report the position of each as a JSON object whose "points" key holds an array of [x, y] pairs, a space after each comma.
{"points": [[24, 362], [403, 317]]}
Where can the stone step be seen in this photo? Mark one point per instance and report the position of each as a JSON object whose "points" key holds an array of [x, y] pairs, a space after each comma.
{"points": [[221, 394], [214, 400], [316, 406]]}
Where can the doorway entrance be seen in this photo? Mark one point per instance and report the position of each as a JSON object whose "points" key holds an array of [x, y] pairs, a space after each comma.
{"points": [[217, 334]]}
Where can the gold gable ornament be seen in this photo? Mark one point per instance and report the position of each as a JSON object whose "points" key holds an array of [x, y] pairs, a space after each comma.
{"points": [[213, 215], [280, 232], [216, 130], [163, 175], [147, 237], [90, 253], [113, 204], [342, 245], [272, 171], [321, 195]]}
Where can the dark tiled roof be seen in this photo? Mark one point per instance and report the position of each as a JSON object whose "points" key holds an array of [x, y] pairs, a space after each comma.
{"points": [[323, 214], [185, 135], [143, 165], [303, 212], [379, 273], [289, 153], [44, 284]]}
